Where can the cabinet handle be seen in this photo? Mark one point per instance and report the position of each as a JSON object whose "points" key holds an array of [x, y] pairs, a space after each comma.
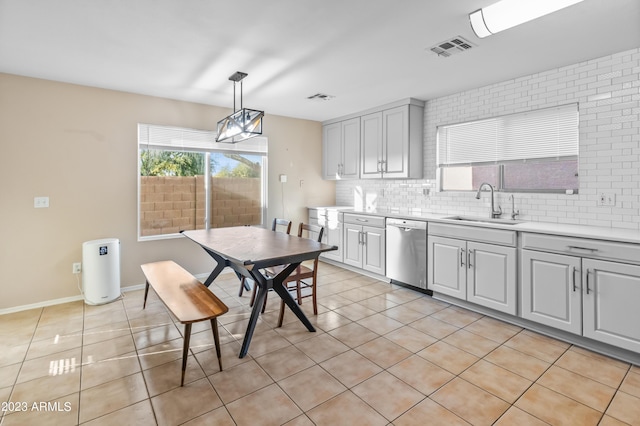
{"points": [[461, 257], [360, 237], [469, 253], [588, 270], [362, 220], [573, 275], [364, 238], [592, 250]]}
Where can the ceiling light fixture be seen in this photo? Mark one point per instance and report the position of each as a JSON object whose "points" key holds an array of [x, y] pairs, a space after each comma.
{"points": [[242, 124], [509, 13]]}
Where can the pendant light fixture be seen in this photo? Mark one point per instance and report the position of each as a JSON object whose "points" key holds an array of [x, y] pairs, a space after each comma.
{"points": [[509, 13], [244, 123]]}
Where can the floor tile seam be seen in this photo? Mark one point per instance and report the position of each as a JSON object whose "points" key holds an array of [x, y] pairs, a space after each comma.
{"points": [[602, 413], [374, 408], [515, 372], [487, 337], [619, 390], [509, 404], [453, 376], [488, 391], [144, 379], [277, 383], [615, 389], [24, 357], [245, 395], [445, 408], [534, 356]]}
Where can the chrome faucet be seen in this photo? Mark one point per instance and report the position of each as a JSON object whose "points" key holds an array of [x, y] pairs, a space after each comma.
{"points": [[494, 213], [514, 212]]}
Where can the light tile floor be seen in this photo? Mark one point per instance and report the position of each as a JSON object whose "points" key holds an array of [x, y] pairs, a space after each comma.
{"points": [[381, 355]]}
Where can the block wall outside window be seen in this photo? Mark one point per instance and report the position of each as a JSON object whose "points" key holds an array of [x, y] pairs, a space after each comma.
{"points": [[170, 204]]}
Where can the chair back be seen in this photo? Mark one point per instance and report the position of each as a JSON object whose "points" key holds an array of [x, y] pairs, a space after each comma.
{"points": [[314, 232], [282, 225]]}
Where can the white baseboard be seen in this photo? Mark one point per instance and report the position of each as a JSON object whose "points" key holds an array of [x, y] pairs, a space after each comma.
{"points": [[59, 301], [79, 297]]}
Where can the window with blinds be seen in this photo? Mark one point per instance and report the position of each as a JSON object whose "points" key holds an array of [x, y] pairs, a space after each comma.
{"points": [[535, 151], [187, 180]]}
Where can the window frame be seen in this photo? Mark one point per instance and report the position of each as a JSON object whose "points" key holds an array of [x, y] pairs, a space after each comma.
{"points": [[204, 143]]}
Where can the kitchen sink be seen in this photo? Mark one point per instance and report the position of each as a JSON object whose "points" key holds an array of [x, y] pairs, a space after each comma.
{"points": [[484, 220]]}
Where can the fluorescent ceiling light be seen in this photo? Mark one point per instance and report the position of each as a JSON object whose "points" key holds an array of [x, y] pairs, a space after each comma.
{"points": [[509, 13]]}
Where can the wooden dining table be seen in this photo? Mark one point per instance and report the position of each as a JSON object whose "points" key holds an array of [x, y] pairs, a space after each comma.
{"points": [[248, 250]]}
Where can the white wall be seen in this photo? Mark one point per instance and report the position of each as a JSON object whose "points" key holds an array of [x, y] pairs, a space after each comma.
{"points": [[608, 93]]}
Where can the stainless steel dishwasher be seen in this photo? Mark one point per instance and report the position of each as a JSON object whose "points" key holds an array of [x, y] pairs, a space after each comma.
{"points": [[407, 252]]}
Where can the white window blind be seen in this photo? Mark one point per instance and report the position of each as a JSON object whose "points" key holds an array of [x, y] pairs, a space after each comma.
{"points": [[179, 139], [544, 133]]}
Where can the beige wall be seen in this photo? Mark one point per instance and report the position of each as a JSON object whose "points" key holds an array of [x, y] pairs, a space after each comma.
{"points": [[78, 146]]}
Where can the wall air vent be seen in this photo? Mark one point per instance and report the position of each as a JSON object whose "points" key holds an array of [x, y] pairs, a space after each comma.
{"points": [[451, 47], [320, 97]]}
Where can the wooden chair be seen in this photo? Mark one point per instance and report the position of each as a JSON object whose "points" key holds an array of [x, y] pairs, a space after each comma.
{"points": [[278, 225], [294, 282]]}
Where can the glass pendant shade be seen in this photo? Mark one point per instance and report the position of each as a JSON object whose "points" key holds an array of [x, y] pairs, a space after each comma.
{"points": [[239, 126], [244, 123]]}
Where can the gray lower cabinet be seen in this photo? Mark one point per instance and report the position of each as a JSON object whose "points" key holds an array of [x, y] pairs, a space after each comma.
{"points": [[552, 290], [474, 271], [591, 297], [364, 243], [331, 220]]}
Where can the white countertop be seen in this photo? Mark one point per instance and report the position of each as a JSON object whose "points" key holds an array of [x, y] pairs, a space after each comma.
{"points": [[580, 231]]}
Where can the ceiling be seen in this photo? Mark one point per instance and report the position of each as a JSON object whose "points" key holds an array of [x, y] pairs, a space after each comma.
{"points": [[364, 52]]}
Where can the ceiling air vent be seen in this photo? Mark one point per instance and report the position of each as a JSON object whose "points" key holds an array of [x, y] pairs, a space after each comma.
{"points": [[451, 47], [320, 97]]}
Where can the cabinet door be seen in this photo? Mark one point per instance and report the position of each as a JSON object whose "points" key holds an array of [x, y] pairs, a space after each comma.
{"points": [[350, 168], [374, 250], [491, 276], [446, 268], [352, 245], [610, 303], [551, 287], [333, 235], [371, 133], [331, 150], [395, 142]]}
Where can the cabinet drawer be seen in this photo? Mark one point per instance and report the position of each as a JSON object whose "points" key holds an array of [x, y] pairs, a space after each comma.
{"points": [[313, 214], [582, 247], [474, 233], [357, 219]]}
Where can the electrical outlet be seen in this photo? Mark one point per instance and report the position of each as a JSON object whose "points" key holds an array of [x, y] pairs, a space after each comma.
{"points": [[607, 199], [76, 267], [40, 202]]}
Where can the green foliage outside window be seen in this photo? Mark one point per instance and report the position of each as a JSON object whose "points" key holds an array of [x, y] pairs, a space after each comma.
{"points": [[171, 163]]}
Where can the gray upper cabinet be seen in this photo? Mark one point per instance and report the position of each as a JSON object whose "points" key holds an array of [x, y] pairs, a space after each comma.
{"points": [[341, 150], [392, 143], [389, 143]]}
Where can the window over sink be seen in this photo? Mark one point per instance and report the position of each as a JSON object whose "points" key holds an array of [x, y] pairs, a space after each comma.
{"points": [[534, 151]]}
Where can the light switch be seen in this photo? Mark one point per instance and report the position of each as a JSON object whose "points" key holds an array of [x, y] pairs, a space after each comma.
{"points": [[40, 202], [283, 178]]}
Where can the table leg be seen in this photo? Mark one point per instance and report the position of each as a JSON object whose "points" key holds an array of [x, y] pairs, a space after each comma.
{"points": [[293, 305], [255, 312], [220, 265]]}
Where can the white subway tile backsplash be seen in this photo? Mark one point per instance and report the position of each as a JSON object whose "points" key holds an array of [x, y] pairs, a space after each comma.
{"points": [[607, 91]]}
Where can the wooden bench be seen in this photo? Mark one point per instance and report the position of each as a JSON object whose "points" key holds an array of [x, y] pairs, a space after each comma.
{"points": [[187, 299]]}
